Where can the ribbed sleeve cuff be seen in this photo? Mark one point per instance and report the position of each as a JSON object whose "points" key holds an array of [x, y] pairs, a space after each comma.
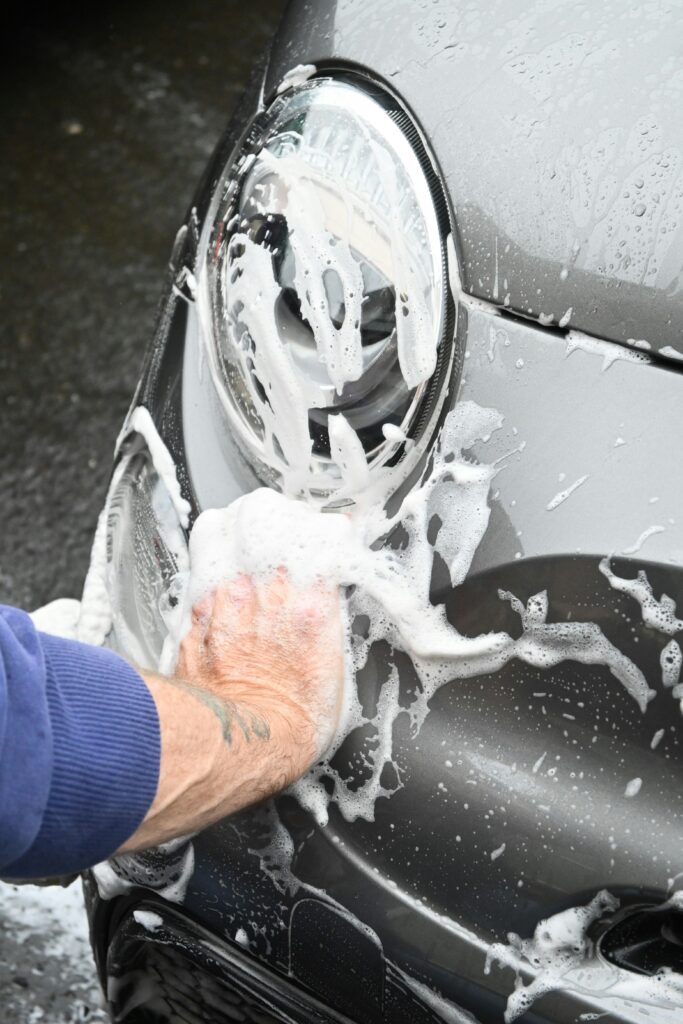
{"points": [[107, 748]]}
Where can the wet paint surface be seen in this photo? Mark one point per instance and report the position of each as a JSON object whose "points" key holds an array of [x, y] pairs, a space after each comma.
{"points": [[557, 130]]}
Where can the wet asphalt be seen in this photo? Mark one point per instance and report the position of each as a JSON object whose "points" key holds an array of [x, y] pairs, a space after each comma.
{"points": [[109, 112]]}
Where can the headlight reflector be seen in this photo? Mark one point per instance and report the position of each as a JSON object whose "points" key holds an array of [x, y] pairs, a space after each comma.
{"points": [[323, 286]]}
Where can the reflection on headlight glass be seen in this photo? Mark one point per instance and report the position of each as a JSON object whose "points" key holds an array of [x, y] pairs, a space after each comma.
{"points": [[325, 280]]}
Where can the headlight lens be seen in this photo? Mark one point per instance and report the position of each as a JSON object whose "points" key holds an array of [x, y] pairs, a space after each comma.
{"points": [[323, 284], [146, 557]]}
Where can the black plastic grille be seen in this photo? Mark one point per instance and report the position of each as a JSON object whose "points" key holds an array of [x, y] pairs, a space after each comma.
{"points": [[173, 990]]}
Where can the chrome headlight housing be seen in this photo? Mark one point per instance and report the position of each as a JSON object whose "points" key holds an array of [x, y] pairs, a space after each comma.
{"points": [[322, 284]]}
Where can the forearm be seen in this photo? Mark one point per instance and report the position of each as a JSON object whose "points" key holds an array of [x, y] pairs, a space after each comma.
{"points": [[220, 754], [79, 751]]}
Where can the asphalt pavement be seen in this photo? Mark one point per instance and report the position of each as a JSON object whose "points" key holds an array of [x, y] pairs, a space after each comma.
{"points": [[109, 113]]}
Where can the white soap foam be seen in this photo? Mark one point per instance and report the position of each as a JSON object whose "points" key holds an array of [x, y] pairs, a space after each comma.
{"points": [[150, 921], [297, 75], [141, 422], [167, 870], [60, 618], [633, 788], [677, 694], [313, 247], [394, 434], [286, 440], [94, 622], [563, 495], [562, 956], [671, 352], [263, 531], [96, 612], [349, 455], [559, 944], [670, 660], [659, 615], [609, 351], [644, 536]]}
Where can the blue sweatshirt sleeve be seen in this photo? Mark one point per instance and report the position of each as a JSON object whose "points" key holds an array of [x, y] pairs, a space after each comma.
{"points": [[79, 751]]}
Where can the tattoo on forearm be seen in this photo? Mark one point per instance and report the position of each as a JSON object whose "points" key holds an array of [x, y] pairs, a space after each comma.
{"points": [[228, 713]]}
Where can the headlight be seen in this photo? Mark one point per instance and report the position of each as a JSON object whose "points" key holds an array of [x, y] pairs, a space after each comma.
{"points": [[322, 284], [146, 557]]}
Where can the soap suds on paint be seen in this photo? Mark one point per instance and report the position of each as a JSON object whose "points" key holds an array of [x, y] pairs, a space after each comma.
{"points": [[633, 788], [561, 955], [609, 351], [390, 591], [563, 495], [670, 660], [559, 945], [634, 548], [656, 739], [390, 585], [657, 614]]}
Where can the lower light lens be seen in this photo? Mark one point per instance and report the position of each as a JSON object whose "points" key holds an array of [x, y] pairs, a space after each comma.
{"points": [[146, 556]]}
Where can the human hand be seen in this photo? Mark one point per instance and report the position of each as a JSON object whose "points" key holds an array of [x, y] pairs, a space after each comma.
{"points": [[264, 661], [275, 649]]}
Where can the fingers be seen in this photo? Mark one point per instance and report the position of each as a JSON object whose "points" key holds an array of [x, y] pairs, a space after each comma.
{"points": [[234, 608], [288, 606], [190, 655], [248, 629], [277, 592], [217, 619], [319, 604]]}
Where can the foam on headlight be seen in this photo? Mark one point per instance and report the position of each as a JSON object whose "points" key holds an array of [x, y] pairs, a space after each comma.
{"points": [[322, 285]]}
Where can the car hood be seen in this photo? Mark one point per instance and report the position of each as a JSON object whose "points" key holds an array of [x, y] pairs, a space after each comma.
{"points": [[558, 132]]}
